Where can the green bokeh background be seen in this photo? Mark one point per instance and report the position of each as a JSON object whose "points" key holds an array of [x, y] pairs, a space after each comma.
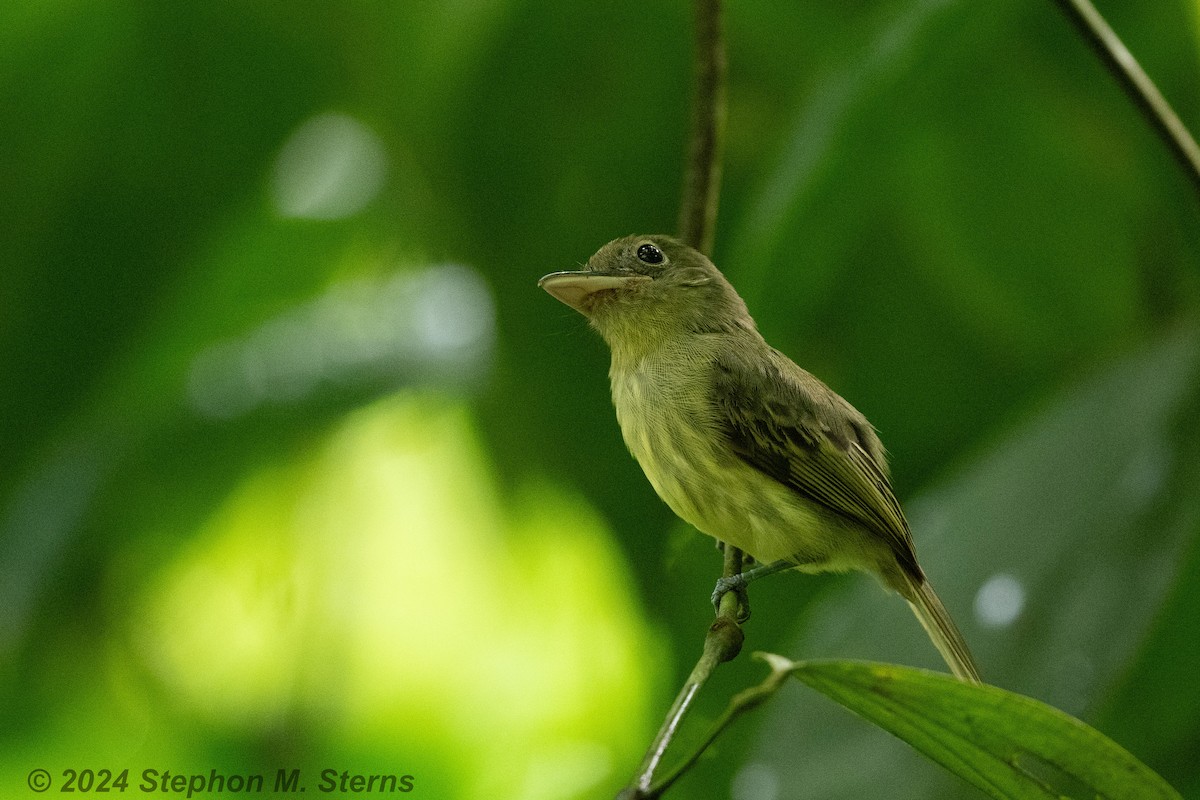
{"points": [[298, 469]]}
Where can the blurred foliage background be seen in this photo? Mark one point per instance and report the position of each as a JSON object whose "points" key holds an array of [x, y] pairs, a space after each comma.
{"points": [[299, 469]]}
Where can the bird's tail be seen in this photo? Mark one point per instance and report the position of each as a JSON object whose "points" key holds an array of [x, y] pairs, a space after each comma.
{"points": [[941, 629]]}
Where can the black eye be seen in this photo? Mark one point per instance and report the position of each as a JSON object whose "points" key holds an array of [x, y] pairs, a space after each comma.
{"points": [[650, 254]]}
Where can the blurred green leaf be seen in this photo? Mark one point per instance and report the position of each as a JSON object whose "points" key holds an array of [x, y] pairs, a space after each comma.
{"points": [[1009, 745], [1157, 703]]}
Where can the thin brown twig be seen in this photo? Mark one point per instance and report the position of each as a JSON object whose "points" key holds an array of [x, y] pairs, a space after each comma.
{"points": [[1137, 84], [702, 175]]}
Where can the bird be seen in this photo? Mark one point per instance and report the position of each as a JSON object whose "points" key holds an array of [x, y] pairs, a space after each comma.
{"points": [[736, 438]]}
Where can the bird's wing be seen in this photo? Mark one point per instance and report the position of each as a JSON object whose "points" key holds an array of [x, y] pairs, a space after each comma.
{"points": [[792, 427]]}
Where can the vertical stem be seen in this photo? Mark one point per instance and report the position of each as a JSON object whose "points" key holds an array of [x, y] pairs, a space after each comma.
{"points": [[702, 175], [697, 223], [1137, 84]]}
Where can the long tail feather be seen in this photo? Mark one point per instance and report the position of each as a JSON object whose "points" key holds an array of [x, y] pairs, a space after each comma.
{"points": [[941, 629]]}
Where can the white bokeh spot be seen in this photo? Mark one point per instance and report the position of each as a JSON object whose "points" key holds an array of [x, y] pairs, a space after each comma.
{"points": [[999, 601], [331, 167]]}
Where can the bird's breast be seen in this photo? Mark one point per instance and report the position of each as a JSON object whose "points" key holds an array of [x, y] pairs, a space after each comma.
{"points": [[668, 422], [671, 427]]}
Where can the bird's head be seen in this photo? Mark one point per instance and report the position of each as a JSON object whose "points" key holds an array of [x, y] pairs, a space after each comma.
{"points": [[638, 288]]}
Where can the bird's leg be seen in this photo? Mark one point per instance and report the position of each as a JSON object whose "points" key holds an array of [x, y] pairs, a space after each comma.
{"points": [[738, 583], [746, 557]]}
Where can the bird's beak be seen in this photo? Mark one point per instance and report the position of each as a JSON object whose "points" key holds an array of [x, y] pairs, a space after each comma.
{"points": [[576, 288]]}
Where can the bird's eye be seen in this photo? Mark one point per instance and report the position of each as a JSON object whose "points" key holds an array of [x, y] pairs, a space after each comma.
{"points": [[650, 254]]}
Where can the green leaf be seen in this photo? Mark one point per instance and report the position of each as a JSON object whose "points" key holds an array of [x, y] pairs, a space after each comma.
{"points": [[1008, 745]]}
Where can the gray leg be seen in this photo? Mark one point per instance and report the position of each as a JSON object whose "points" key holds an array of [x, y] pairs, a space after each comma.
{"points": [[738, 583]]}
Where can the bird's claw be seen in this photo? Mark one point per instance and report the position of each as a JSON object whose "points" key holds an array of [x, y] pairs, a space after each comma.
{"points": [[736, 584]]}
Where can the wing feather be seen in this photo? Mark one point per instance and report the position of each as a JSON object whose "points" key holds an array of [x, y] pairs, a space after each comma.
{"points": [[790, 426]]}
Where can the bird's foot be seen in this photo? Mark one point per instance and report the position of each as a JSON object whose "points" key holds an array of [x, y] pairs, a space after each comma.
{"points": [[737, 584]]}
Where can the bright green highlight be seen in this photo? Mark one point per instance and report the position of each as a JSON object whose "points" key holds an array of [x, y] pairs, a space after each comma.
{"points": [[384, 586]]}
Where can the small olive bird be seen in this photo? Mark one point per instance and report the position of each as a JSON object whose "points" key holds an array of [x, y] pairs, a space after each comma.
{"points": [[736, 438]]}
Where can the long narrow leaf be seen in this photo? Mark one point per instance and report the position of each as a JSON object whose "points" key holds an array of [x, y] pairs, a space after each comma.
{"points": [[1009, 745]]}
